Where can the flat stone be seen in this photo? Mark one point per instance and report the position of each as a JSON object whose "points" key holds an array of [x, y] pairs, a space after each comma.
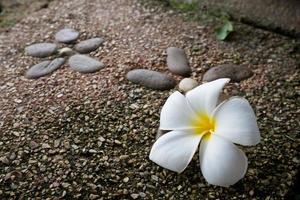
{"points": [[151, 79], [89, 45], [187, 84], [84, 64], [66, 35], [236, 73], [44, 68], [177, 61], [41, 50]]}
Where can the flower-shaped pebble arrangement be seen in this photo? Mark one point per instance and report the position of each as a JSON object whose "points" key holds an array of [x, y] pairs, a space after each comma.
{"points": [[197, 119], [77, 61]]}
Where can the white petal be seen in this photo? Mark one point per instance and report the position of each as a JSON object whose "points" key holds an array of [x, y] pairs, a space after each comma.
{"points": [[204, 98], [222, 163], [175, 150], [176, 113], [236, 121]]}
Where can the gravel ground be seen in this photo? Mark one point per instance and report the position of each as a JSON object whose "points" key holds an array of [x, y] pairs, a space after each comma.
{"points": [[88, 136]]}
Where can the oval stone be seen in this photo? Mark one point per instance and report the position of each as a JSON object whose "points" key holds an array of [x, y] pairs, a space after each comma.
{"points": [[151, 79], [44, 68], [89, 45], [66, 35], [187, 84], [177, 61], [84, 64], [236, 73], [41, 50]]}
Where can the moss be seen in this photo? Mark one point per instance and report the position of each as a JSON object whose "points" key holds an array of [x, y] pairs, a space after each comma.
{"points": [[183, 6], [11, 13], [5, 23]]}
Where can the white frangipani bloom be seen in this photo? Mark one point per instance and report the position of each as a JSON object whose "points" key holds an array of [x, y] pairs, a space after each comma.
{"points": [[196, 118]]}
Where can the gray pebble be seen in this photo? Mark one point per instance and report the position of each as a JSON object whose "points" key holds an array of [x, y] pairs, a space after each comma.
{"points": [[84, 64], [187, 84], [236, 73], [177, 61], [151, 79], [44, 68], [41, 50], [89, 45], [66, 35]]}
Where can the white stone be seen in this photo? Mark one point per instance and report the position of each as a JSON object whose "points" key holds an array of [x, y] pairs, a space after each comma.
{"points": [[66, 51], [187, 84]]}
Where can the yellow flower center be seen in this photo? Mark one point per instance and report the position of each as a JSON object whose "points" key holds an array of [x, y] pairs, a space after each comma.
{"points": [[204, 125]]}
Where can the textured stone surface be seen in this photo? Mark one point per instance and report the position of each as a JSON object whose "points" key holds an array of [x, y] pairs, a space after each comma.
{"points": [[187, 84], [66, 35], [84, 118], [236, 73], [89, 45], [41, 50], [84, 64], [279, 15], [177, 61], [151, 79], [44, 68]]}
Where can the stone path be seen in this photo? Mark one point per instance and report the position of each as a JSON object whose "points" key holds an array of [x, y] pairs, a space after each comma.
{"points": [[87, 136]]}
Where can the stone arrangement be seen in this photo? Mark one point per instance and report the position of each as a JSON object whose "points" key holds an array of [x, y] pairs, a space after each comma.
{"points": [[76, 60], [178, 64]]}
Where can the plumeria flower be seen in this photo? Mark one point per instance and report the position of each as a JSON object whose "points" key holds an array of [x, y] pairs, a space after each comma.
{"points": [[196, 118]]}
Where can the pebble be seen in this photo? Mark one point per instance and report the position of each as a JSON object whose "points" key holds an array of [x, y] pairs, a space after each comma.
{"points": [[142, 194], [84, 64], [44, 68], [41, 50], [66, 35], [94, 196], [89, 45], [151, 79], [177, 61], [187, 84], [126, 179], [46, 146], [251, 192], [66, 51], [134, 196], [4, 160], [296, 160], [153, 177], [33, 144], [236, 73]]}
